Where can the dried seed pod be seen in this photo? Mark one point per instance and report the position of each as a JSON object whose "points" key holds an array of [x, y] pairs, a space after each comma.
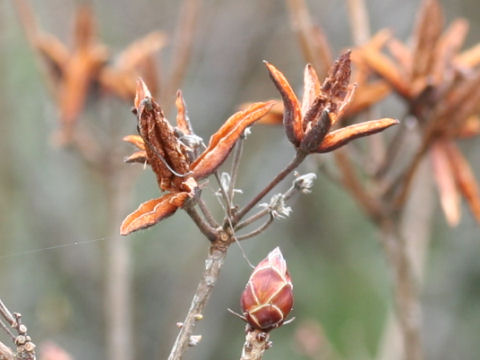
{"points": [[268, 296]]}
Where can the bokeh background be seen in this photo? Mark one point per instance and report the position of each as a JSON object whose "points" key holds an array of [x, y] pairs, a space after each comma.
{"points": [[49, 198]]}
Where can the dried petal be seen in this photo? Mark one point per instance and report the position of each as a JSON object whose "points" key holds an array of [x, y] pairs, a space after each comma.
{"points": [[427, 32], [335, 86], [136, 140], [470, 58], [311, 88], [443, 174], [401, 54], [366, 96], [223, 140], [292, 115], [139, 50], [273, 117], [85, 27], [137, 157], [465, 179], [183, 122], [386, 69], [152, 211], [447, 46], [141, 94], [344, 135], [470, 127], [268, 296]]}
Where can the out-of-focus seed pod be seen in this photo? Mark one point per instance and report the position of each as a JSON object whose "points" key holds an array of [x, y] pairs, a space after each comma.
{"points": [[268, 296]]}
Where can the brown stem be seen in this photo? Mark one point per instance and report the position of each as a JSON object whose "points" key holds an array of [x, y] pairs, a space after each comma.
{"points": [[407, 306], [297, 160], [288, 194], [213, 264], [204, 227], [235, 166], [257, 231], [118, 299], [351, 182], [415, 225], [256, 342], [207, 214]]}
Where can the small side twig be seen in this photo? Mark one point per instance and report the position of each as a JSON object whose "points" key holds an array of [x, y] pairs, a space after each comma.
{"points": [[235, 166], [256, 231], [256, 343], [297, 160], [203, 225], [207, 214]]}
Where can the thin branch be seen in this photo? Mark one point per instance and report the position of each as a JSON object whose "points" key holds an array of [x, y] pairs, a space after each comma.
{"points": [[205, 228], [7, 315], [405, 293], [7, 330], [256, 231], [288, 194], [185, 34], [225, 197], [213, 264], [297, 160], [392, 150], [351, 182], [235, 166], [207, 214]]}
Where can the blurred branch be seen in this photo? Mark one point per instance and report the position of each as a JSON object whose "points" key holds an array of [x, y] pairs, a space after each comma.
{"points": [[311, 38], [185, 34]]}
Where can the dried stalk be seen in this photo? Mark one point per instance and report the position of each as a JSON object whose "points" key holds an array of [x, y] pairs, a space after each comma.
{"points": [[118, 299], [213, 264], [299, 157], [256, 342]]}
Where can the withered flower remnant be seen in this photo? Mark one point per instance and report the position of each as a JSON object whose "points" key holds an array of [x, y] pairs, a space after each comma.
{"points": [[268, 297], [308, 124], [173, 158], [441, 86], [75, 72]]}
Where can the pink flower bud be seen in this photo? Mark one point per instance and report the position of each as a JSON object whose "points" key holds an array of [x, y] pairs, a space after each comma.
{"points": [[268, 296]]}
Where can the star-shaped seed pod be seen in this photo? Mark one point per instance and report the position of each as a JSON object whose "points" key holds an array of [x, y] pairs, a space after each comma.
{"points": [[308, 124], [172, 153], [73, 73], [440, 85]]}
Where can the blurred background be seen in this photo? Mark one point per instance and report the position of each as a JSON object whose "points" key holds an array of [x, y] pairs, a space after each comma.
{"points": [[53, 209]]}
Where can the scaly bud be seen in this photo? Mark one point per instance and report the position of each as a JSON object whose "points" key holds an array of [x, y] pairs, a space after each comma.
{"points": [[268, 296]]}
